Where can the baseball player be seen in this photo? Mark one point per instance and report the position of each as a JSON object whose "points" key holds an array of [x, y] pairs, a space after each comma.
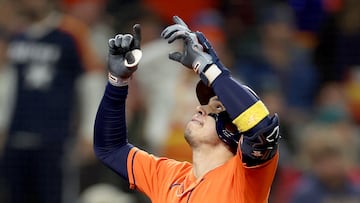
{"points": [[232, 135]]}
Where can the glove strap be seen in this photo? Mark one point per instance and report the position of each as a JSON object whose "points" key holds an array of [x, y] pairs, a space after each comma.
{"points": [[210, 73], [118, 82]]}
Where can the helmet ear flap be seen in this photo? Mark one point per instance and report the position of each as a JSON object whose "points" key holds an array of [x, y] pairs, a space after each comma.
{"points": [[226, 130]]}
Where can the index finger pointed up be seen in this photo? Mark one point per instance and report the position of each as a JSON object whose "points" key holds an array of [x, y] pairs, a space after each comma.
{"points": [[137, 36], [179, 21]]}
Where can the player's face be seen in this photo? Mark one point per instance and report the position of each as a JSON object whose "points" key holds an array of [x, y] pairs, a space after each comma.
{"points": [[201, 128]]}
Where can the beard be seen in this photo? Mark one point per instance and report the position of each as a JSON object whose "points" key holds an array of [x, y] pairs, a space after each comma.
{"points": [[189, 138]]}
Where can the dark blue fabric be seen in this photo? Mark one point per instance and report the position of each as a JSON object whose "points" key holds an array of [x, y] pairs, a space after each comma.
{"points": [[297, 82], [110, 133], [47, 68], [311, 189], [34, 175], [44, 103], [235, 97], [309, 14]]}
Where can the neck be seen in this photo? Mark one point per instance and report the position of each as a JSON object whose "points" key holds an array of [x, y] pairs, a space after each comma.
{"points": [[206, 159]]}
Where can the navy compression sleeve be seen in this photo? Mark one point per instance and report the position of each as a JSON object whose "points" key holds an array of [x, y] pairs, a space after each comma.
{"points": [[110, 133], [242, 104]]}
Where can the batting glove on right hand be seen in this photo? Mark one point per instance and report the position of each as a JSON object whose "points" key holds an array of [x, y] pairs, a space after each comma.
{"points": [[124, 56], [193, 56], [203, 61]]}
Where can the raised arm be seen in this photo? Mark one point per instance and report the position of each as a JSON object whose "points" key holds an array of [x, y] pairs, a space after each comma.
{"points": [[110, 133], [250, 115]]}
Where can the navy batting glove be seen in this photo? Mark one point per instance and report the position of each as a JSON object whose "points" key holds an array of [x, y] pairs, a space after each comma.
{"points": [[124, 56]]}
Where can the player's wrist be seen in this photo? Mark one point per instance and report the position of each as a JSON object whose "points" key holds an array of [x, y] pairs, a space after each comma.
{"points": [[210, 73]]}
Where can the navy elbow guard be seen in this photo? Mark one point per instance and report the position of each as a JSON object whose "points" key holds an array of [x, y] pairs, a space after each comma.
{"points": [[262, 145]]}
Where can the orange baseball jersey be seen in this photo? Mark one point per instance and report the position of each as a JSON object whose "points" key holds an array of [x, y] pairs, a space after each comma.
{"points": [[166, 180]]}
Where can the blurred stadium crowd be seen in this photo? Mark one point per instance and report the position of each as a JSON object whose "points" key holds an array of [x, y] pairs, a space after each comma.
{"points": [[301, 56]]}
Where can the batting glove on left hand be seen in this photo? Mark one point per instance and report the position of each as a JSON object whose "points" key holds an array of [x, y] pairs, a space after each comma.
{"points": [[124, 56]]}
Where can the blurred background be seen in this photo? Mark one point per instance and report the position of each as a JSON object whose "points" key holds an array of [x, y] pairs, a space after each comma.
{"points": [[302, 57]]}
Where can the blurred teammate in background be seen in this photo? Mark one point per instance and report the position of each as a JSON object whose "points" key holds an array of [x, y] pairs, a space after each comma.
{"points": [[49, 54]]}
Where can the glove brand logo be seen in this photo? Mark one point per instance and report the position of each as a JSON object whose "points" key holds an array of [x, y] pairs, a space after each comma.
{"points": [[113, 78], [197, 66]]}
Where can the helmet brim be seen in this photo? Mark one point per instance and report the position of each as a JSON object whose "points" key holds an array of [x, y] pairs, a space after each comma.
{"points": [[204, 93]]}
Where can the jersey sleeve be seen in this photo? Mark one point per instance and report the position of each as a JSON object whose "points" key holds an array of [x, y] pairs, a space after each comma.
{"points": [[255, 182], [149, 174]]}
